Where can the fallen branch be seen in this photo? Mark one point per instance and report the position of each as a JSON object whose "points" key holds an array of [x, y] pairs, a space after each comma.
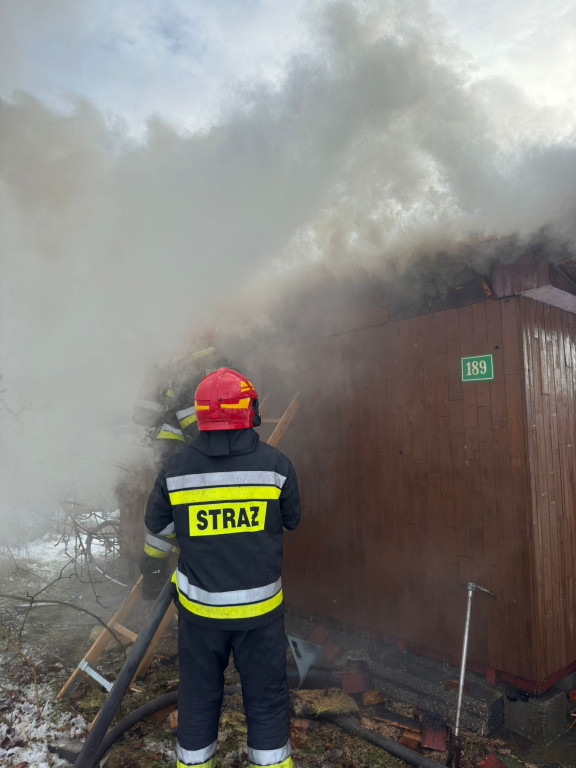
{"points": [[32, 600]]}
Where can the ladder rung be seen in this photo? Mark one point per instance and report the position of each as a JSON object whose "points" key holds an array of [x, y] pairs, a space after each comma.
{"points": [[125, 632]]}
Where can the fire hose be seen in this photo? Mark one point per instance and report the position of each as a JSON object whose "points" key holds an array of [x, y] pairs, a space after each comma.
{"points": [[397, 750], [89, 753], [100, 739]]}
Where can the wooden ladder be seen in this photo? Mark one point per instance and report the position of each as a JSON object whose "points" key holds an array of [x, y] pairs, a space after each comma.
{"points": [[114, 627], [283, 422], [111, 631]]}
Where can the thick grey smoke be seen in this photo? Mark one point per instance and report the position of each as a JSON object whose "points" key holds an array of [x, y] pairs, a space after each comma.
{"points": [[380, 147], [432, 154]]}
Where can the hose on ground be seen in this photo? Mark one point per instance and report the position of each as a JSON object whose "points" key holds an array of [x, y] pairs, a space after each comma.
{"points": [[408, 755], [87, 755], [346, 723], [98, 741], [146, 710]]}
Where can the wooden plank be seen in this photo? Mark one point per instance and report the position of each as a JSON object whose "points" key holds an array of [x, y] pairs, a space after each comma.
{"points": [[515, 395], [485, 424], [538, 471], [494, 322], [569, 458], [479, 322], [511, 339], [556, 405], [452, 324], [499, 414], [472, 473], [445, 457], [456, 414], [284, 422], [466, 323], [120, 629], [540, 317]]}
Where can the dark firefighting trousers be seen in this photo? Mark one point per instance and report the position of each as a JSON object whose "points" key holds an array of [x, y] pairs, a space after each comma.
{"points": [[260, 658]]}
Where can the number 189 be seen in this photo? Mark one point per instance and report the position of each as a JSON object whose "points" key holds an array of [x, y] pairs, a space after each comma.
{"points": [[476, 368]]}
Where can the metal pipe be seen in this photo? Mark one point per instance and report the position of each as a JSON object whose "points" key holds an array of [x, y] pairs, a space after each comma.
{"points": [[471, 589], [463, 660]]}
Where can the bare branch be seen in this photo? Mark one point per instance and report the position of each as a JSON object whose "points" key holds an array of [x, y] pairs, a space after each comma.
{"points": [[32, 600]]}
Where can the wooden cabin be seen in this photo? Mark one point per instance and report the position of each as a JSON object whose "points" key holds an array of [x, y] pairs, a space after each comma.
{"points": [[435, 445]]}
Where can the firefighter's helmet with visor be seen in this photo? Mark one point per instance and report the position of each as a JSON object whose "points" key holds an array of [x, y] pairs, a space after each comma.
{"points": [[225, 399]]}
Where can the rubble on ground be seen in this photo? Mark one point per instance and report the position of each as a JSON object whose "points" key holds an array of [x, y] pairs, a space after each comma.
{"points": [[35, 666]]}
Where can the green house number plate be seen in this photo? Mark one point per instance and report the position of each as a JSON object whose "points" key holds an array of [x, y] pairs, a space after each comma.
{"points": [[480, 368]]}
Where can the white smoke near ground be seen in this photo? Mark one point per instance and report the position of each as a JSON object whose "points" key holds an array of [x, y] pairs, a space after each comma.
{"points": [[381, 145]]}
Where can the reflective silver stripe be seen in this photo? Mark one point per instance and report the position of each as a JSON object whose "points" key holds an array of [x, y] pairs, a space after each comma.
{"points": [[168, 531], [269, 756], [195, 756], [185, 412], [154, 541], [235, 597], [150, 405], [167, 428], [225, 478]]}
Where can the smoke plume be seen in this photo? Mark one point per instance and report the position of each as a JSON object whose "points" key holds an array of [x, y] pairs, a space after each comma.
{"points": [[380, 146]]}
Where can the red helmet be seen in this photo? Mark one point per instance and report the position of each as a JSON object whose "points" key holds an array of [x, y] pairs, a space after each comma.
{"points": [[225, 399]]}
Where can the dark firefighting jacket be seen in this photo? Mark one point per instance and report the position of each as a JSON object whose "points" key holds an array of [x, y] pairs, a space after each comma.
{"points": [[226, 498]]}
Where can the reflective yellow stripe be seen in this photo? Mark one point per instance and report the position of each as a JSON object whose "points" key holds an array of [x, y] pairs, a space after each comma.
{"points": [[284, 764], [230, 611], [208, 764], [203, 352], [244, 403], [201, 407], [153, 552], [158, 542], [225, 493], [189, 420], [164, 435]]}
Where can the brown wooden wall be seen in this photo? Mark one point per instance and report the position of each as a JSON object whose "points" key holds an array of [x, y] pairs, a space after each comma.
{"points": [[549, 343], [415, 483]]}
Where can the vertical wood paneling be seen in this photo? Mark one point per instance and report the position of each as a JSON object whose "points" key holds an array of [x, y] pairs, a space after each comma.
{"points": [[415, 483], [548, 337]]}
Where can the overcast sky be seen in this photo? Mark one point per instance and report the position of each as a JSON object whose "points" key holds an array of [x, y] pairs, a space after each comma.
{"points": [[184, 60], [156, 154]]}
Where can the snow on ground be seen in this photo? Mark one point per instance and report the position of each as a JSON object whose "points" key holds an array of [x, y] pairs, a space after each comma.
{"points": [[31, 719], [25, 732]]}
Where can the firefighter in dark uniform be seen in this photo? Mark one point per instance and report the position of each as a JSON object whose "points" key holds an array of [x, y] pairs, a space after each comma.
{"points": [[225, 499], [165, 407]]}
